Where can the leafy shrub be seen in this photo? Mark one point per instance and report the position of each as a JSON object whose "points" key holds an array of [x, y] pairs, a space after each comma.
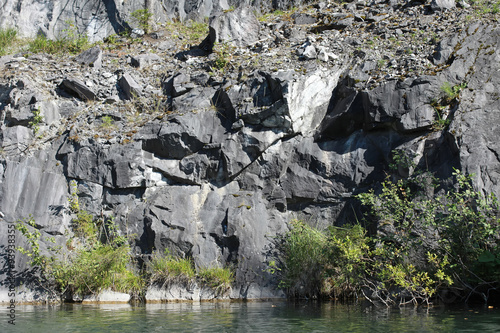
{"points": [[101, 260], [28, 229], [36, 120], [424, 243], [142, 17], [348, 251], [452, 92], [95, 269], [223, 52]]}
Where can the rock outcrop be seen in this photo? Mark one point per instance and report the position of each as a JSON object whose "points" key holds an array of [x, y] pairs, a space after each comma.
{"points": [[99, 18], [212, 162]]}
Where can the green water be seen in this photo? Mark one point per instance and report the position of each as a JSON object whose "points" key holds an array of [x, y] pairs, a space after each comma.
{"points": [[248, 317]]}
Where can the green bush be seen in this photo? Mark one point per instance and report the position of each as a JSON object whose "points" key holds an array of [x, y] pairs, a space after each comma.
{"points": [[223, 52], [425, 243], [92, 270], [142, 17], [100, 261], [348, 251], [455, 236]]}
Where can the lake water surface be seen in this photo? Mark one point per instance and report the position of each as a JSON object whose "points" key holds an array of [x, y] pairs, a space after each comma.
{"points": [[278, 316]]}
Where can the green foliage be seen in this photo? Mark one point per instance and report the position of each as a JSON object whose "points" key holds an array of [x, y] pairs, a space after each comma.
{"points": [[460, 228], [469, 227], [445, 103], [107, 122], [217, 278], [482, 7], [348, 251], [303, 261], [7, 39], [72, 42], [169, 269], [424, 243], [28, 229], [101, 260], [283, 15], [85, 227], [401, 159], [100, 267], [193, 32], [452, 92], [74, 204], [196, 31], [142, 17], [223, 53], [36, 120], [441, 122]]}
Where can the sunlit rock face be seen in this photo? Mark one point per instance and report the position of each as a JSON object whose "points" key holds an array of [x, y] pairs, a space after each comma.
{"points": [[212, 161]]}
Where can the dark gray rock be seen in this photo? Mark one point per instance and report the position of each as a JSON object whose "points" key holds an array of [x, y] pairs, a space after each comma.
{"points": [[144, 60], [78, 88], [177, 85], [129, 86], [91, 57], [186, 134], [226, 159], [444, 50], [35, 187], [21, 116], [303, 19]]}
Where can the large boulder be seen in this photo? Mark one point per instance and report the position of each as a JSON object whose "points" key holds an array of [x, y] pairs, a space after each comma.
{"points": [[239, 27]]}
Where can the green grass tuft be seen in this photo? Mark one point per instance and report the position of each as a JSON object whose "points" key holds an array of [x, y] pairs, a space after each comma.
{"points": [[169, 269], [7, 39], [219, 279]]}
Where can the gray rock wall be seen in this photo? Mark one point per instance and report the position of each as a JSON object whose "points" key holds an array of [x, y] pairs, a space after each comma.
{"points": [[213, 165], [101, 18]]}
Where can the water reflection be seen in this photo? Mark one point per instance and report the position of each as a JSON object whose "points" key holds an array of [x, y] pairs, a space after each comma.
{"points": [[248, 317]]}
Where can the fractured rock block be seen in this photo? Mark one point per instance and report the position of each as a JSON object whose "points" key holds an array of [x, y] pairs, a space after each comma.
{"points": [[130, 87], [77, 87], [91, 57]]}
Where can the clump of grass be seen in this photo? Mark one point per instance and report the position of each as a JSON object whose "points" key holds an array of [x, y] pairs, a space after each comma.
{"points": [[72, 42], [169, 269], [193, 32], [98, 268], [217, 278], [7, 38], [304, 257]]}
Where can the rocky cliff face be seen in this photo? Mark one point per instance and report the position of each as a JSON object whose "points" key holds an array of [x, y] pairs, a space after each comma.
{"points": [[212, 161], [101, 18]]}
